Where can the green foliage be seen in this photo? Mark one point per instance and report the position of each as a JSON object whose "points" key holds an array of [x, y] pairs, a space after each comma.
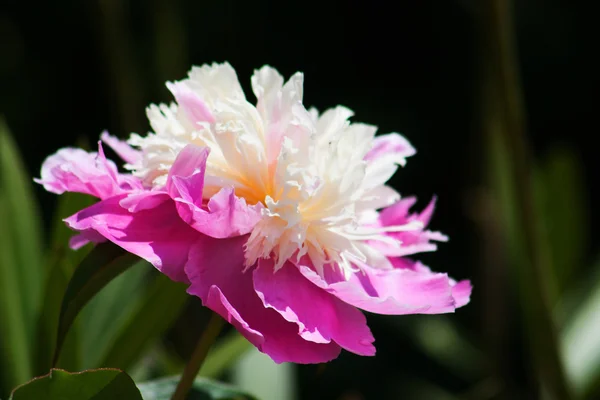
{"points": [[560, 199], [104, 263], [202, 389], [99, 384], [579, 336], [223, 354], [61, 261], [20, 263], [112, 307], [153, 314]]}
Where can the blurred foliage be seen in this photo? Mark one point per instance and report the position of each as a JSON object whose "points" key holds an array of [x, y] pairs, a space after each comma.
{"points": [[202, 389]]}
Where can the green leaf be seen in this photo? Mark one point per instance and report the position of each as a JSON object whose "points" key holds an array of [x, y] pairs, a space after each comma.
{"points": [[154, 313], [439, 338], [60, 265], [106, 313], [203, 389], [20, 261], [104, 263], [223, 354], [580, 339], [560, 196], [98, 384], [13, 337]]}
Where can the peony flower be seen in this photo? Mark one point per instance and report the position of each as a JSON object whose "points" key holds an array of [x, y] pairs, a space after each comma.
{"points": [[278, 217]]}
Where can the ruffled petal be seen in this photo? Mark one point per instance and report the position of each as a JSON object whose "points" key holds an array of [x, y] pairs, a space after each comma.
{"points": [[320, 316], [279, 106], [224, 215], [156, 234], [215, 82], [412, 241], [391, 291], [215, 271], [75, 170]]}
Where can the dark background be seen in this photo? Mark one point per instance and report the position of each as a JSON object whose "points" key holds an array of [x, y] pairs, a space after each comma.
{"points": [[70, 69]]}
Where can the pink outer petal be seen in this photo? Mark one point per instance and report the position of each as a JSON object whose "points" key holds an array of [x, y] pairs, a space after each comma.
{"points": [[75, 170], [225, 215], [391, 145], [413, 241], [215, 271], [321, 317], [125, 151], [396, 291], [398, 213], [461, 292], [84, 237], [157, 234]]}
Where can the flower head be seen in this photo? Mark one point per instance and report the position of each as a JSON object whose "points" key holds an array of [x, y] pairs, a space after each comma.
{"points": [[279, 218]]}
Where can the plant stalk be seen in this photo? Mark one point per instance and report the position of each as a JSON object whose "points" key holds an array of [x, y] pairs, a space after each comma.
{"points": [[214, 326]]}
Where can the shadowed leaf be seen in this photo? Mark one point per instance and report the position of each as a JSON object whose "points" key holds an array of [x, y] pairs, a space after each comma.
{"points": [[20, 262], [104, 263], [154, 313], [96, 384]]}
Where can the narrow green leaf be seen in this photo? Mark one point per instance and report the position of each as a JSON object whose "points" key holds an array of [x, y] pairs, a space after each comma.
{"points": [[203, 389], [154, 314], [104, 263], [16, 367], [105, 315], [98, 384], [223, 354], [560, 195], [20, 263], [23, 222], [60, 265]]}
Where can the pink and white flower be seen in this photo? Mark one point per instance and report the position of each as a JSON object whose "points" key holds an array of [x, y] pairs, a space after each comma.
{"points": [[278, 218]]}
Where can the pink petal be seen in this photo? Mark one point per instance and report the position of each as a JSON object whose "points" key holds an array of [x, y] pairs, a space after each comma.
{"points": [[461, 292], [157, 234], [398, 213], [215, 271], [396, 291], [320, 316], [125, 151], [84, 237], [192, 105], [392, 145], [225, 215], [75, 170], [412, 241]]}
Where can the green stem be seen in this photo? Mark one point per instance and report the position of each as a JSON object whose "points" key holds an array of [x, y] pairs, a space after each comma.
{"points": [[507, 126], [193, 366]]}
